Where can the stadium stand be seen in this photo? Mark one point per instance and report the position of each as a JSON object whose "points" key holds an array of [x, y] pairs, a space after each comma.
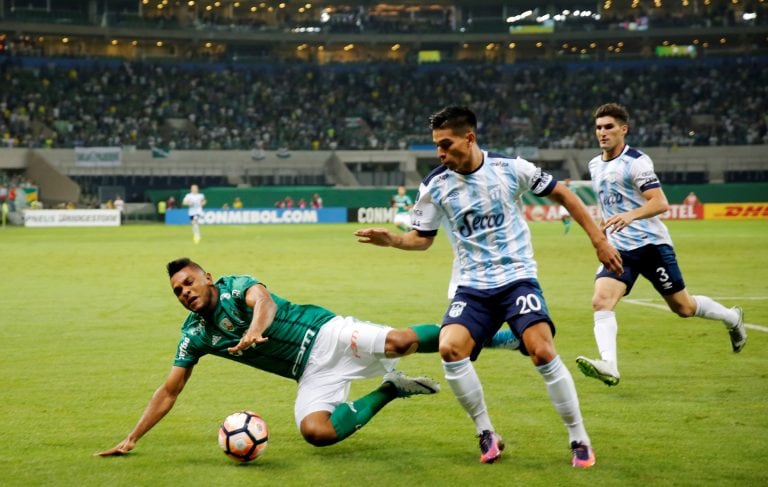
{"points": [[287, 94]]}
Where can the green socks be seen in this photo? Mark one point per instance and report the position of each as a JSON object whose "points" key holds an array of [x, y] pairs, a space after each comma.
{"points": [[351, 416], [428, 337]]}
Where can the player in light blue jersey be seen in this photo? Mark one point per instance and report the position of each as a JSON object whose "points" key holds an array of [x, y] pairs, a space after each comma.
{"points": [[631, 199], [479, 195], [236, 318]]}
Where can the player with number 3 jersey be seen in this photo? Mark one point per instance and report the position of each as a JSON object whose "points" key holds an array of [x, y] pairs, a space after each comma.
{"points": [[631, 201]]}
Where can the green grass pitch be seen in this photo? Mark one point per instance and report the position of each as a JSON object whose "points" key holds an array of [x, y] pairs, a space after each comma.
{"points": [[89, 325]]}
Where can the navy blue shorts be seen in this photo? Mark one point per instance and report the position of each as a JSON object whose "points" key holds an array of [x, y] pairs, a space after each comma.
{"points": [[657, 263], [483, 311]]}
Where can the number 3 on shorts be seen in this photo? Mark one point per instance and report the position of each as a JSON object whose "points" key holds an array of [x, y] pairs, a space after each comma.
{"points": [[663, 276]]}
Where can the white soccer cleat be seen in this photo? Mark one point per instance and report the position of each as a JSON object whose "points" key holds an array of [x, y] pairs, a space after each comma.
{"points": [[602, 370], [738, 333], [411, 386]]}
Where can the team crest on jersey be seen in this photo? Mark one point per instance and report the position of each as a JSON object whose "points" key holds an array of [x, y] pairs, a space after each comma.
{"points": [[494, 192], [226, 324], [457, 307]]}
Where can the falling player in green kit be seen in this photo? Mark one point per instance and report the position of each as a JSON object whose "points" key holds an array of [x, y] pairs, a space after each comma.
{"points": [[236, 318]]}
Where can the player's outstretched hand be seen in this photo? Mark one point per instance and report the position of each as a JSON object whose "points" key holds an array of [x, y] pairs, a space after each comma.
{"points": [[122, 448], [248, 340], [376, 236]]}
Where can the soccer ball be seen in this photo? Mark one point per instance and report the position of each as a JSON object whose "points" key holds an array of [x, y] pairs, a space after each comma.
{"points": [[243, 436]]}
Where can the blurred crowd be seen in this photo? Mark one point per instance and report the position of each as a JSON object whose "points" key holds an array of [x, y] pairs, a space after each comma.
{"points": [[378, 106], [434, 18]]}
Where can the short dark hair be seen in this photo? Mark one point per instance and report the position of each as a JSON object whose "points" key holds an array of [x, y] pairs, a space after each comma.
{"points": [[613, 110], [454, 118], [175, 266]]}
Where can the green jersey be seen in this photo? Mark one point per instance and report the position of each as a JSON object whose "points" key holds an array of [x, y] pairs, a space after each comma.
{"points": [[291, 334], [402, 203]]}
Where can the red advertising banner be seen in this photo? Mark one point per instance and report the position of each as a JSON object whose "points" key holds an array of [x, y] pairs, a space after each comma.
{"points": [[541, 213]]}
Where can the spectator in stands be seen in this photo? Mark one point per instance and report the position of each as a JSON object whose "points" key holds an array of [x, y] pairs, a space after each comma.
{"points": [[162, 207], [631, 201], [691, 199], [302, 203], [12, 198], [170, 203], [237, 203], [299, 104], [288, 202], [317, 201]]}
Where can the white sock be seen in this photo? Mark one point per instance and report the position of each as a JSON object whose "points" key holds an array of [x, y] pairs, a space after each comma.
{"points": [[562, 393], [710, 309], [466, 386], [606, 329]]}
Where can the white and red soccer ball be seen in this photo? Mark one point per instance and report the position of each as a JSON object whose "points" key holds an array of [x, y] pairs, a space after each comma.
{"points": [[243, 436]]}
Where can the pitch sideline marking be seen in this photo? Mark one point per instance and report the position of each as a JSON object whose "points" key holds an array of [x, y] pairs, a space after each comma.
{"points": [[647, 303]]}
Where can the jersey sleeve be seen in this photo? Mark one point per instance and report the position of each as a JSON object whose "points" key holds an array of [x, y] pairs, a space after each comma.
{"points": [[188, 351], [533, 178], [426, 215], [643, 175]]}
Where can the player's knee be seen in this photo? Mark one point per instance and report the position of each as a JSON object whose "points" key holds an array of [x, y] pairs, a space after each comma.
{"points": [[600, 302], [541, 352], [319, 436], [538, 342], [449, 352]]}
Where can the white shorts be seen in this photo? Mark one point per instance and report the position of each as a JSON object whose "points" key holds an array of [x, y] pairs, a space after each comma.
{"points": [[403, 219], [345, 349]]}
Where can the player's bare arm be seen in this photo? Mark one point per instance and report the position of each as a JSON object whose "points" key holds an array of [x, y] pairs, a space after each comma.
{"points": [[161, 403], [606, 253], [655, 204], [264, 309], [384, 238]]}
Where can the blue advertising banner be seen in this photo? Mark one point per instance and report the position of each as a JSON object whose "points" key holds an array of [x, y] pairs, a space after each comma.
{"points": [[259, 216]]}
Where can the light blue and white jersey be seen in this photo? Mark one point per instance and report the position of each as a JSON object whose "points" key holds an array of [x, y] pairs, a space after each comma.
{"points": [[487, 226], [619, 185]]}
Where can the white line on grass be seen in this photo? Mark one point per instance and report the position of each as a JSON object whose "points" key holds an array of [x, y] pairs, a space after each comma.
{"points": [[647, 303]]}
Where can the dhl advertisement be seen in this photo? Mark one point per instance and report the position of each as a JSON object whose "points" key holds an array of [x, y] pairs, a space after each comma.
{"points": [[736, 211]]}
